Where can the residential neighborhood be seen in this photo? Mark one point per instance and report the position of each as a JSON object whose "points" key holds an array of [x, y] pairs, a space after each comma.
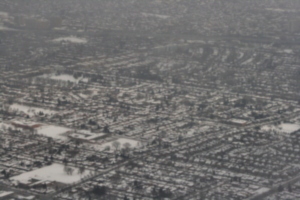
{"points": [[142, 100]]}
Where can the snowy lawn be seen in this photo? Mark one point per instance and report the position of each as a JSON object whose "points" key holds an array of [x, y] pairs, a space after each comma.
{"points": [[31, 111], [282, 128], [250, 60], [4, 126], [122, 143], [155, 15], [64, 77], [54, 172], [72, 39], [56, 132], [262, 190], [288, 51], [289, 128], [3, 14]]}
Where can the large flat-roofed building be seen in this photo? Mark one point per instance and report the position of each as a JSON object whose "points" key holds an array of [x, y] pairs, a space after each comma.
{"points": [[6, 195], [26, 125], [238, 122]]}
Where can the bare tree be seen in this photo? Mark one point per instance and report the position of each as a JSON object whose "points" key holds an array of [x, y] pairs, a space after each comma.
{"points": [[68, 170], [127, 145], [81, 169], [116, 145]]}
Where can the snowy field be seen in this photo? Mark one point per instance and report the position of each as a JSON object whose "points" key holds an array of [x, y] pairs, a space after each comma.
{"points": [[55, 132], [196, 41], [216, 51], [289, 128], [261, 190], [64, 77], [3, 14], [71, 39], [156, 15], [288, 51], [3, 28], [4, 126], [241, 54], [31, 111], [250, 60], [280, 10], [54, 172], [121, 141], [282, 128]]}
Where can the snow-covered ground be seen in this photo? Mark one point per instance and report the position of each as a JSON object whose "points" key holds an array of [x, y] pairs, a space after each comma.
{"points": [[155, 15], [288, 51], [3, 28], [248, 61], [262, 190], [54, 172], [3, 14], [289, 128], [241, 54], [225, 56], [196, 41], [121, 141], [4, 125], [280, 10], [216, 51], [282, 128], [31, 111], [71, 39], [64, 77], [56, 132]]}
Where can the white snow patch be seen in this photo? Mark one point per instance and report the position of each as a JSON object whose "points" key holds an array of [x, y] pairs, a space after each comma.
{"points": [[3, 14], [241, 54], [64, 77], [204, 128], [155, 15], [196, 41], [56, 132], [71, 39], [250, 60], [191, 132], [31, 111], [289, 51], [261, 190], [122, 141], [3, 28], [5, 126], [216, 51], [289, 128], [282, 128], [54, 172], [280, 10]]}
